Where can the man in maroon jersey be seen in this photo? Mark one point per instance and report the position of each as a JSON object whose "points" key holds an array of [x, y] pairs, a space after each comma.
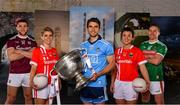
{"points": [[19, 51]]}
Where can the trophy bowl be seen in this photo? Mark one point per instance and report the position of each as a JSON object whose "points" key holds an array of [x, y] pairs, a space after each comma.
{"points": [[70, 66]]}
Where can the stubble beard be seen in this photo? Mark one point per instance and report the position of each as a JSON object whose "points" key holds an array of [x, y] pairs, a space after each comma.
{"points": [[94, 35], [22, 34]]}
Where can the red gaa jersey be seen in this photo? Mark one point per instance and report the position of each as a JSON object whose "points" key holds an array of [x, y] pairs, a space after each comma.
{"points": [[45, 60], [127, 61]]}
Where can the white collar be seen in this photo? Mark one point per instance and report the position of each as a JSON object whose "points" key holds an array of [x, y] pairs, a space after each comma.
{"points": [[121, 50], [153, 42], [22, 37], [42, 46], [131, 46]]}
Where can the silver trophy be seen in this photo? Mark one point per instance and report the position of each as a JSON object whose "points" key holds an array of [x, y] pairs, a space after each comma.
{"points": [[70, 66]]}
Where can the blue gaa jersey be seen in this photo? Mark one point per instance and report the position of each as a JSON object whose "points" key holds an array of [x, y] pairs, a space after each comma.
{"points": [[97, 53]]}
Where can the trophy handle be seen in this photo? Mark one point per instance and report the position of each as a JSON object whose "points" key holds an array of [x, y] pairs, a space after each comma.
{"points": [[87, 60], [52, 72], [59, 74]]}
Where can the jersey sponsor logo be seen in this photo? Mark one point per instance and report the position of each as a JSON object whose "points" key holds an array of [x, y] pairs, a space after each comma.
{"points": [[50, 62], [150, 52], [124, 61], [21, 48]]}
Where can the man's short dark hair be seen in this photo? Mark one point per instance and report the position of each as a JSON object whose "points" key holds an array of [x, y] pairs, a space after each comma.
{"points": [[155, 25], [127, 29], [96, 20], [22, 20]]}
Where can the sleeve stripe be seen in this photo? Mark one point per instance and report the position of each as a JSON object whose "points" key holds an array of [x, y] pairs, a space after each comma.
{"points": [[161, 54], [33, 63], [142, 62]]}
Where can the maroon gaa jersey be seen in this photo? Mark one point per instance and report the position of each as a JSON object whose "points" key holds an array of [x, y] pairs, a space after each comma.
{"points": [[21, 43]]}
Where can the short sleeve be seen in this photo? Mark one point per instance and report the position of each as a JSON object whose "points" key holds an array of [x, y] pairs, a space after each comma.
{"points": [[140, 57], [10, 43], [34, 44], [109, 50], [162, 50], [35, 56]]}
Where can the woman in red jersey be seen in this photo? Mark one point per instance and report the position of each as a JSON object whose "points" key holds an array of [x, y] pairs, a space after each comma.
{"points": [[128, 59], [43, 61]]}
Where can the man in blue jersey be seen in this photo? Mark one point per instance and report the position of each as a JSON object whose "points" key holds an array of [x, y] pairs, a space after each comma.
{"points": [[100, 54]]}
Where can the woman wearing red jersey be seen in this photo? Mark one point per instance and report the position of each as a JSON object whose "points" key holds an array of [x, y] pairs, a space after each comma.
{"points": [[128, 58], [43, 61]]}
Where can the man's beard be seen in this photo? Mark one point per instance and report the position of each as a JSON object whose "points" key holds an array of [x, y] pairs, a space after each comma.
{"points": [[22, 34], [95, 35]]}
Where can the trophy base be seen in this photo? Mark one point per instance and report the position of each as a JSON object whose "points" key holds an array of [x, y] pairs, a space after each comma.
{"points": [[81, 82]]}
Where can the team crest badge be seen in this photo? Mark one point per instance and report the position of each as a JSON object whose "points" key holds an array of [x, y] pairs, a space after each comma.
{"points": [[23, 42], [130, 54], [98, 50]]}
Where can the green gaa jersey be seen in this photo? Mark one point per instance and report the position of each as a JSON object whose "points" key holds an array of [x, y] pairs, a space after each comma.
{"points": [[150, 49]]}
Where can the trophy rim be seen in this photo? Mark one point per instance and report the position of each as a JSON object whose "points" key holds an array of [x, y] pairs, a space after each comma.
{"points": [[63, 60]]}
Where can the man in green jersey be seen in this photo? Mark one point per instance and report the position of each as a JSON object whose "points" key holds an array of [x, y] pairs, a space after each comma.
{"points": [[154, 51]]}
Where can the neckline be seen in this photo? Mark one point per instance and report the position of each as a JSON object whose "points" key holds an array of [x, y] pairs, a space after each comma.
{"points": [[22, 37], [153, 42], [99, 38]]}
